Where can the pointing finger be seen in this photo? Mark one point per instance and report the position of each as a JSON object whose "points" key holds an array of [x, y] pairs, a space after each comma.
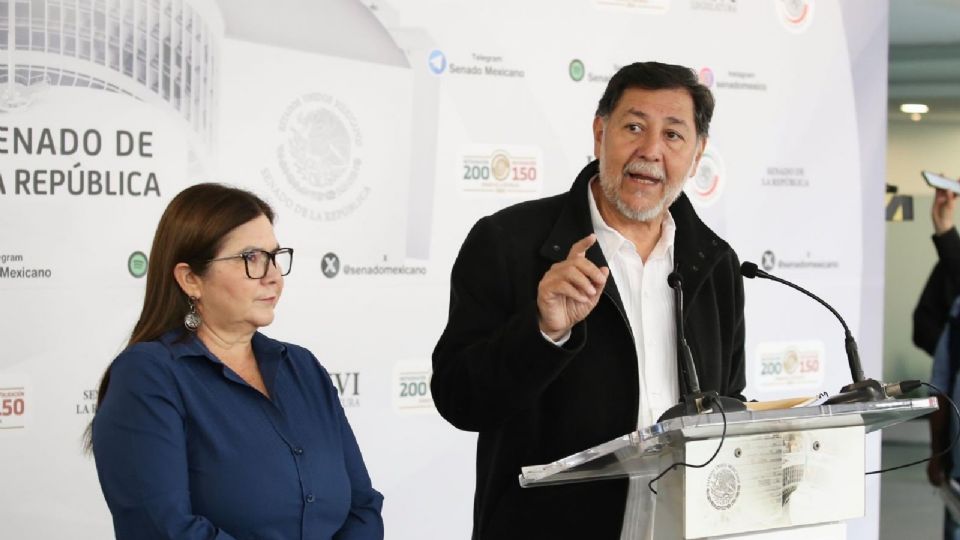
{"points": [[579, 249]]}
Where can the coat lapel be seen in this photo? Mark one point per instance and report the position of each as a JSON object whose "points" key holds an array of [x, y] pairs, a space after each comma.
{"points": [[573, 224], [696, 249]]}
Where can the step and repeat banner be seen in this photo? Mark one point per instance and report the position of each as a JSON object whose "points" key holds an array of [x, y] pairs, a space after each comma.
{"points": [[381, 131]]}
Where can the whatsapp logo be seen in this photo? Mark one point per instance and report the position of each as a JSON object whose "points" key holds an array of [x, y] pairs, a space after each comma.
{"points": [[137, 264], [576, 69]]}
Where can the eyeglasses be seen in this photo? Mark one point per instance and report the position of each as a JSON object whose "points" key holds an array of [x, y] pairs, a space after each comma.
{"points": [[257, 261]]}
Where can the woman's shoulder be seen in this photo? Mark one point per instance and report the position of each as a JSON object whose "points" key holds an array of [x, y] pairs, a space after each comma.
{"points": [[151, 351], [150, 358]]}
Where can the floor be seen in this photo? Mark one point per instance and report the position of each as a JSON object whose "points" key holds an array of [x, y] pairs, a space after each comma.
{"points": [[909, 506]]}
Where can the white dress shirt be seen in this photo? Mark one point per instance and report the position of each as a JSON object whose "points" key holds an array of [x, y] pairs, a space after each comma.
{"points": [[648, 303]]}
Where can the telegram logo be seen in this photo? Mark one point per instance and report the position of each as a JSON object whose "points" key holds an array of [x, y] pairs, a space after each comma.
{"points": [[437, 62]]}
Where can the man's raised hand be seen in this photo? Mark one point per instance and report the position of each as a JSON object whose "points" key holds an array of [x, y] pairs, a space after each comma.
{"points": [[570, 290]]}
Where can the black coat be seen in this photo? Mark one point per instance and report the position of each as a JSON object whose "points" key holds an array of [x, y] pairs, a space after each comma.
{"points": [[533, 402], [943, 285]]}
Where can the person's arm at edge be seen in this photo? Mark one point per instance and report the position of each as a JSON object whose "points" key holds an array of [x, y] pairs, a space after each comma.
{"points": [[932, 310], [947, 244], [941, 286]]}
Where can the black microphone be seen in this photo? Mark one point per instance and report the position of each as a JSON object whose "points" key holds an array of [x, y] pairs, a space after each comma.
{"points": [[683, 348], [861, 389], [695, 401]]}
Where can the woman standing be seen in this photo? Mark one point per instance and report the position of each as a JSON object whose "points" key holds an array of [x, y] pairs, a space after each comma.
{"points": [[206, 428]]}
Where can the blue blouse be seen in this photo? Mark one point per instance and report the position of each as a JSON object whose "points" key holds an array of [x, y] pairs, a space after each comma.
{"points": [[186, 449]]}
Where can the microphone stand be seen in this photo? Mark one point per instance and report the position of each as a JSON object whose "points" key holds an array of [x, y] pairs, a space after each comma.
{"points": [[694, 401], [861, 389]]}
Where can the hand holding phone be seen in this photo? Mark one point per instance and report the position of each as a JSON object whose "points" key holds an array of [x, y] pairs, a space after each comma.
{"points": [[941, 182], [943, 202]]}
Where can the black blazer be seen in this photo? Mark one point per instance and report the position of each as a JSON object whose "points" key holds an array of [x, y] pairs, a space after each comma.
{"points": [[533, 402]]}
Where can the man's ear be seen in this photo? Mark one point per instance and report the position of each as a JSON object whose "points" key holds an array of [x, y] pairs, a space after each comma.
{"points": [[189, 282], [701, 146], [599, 124]]}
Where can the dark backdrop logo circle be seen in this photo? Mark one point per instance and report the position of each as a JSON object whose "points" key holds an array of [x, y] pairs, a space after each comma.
{"points": [[768, 261], [137, 264], [330, 265]]}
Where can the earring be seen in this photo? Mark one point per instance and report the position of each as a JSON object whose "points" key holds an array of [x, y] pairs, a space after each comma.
{"points": [[192, 319]]}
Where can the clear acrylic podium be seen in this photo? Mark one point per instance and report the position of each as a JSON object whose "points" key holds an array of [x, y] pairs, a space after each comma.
{"points": [[799, 469]]}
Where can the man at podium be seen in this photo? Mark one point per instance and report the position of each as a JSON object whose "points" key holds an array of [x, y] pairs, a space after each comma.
{"points": [[561, 331]]}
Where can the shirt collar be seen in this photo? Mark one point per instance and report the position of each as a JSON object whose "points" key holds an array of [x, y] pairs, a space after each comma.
{"points": [[269, 354], [182, 343], [611, 241]]}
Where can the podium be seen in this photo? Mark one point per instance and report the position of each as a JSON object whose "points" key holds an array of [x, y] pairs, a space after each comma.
{"points": [[779, 474]]}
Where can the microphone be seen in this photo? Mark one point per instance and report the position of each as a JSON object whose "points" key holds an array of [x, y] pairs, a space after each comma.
{"points": [[902, 387], [695, 401], [861, 389], [683, 348]]}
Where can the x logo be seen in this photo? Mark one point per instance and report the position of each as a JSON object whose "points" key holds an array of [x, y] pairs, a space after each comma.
{"points": [[330, 265], [769, 260]]}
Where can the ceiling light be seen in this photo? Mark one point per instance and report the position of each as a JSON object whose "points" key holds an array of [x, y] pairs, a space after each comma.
{"points": [[914, 108]]}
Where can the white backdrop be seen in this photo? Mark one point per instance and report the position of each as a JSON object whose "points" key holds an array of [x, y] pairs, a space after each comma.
{"points": [[381, 131]]}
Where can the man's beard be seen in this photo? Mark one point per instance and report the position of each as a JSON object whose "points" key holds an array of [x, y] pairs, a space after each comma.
{"points": [[611, 190]]}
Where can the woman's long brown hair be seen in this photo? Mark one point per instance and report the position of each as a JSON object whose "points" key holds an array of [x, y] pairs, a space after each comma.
{"points": [[191, 230]]}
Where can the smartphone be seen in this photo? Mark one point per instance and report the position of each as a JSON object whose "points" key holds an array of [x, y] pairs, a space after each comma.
{"points": [[942, 182]]}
